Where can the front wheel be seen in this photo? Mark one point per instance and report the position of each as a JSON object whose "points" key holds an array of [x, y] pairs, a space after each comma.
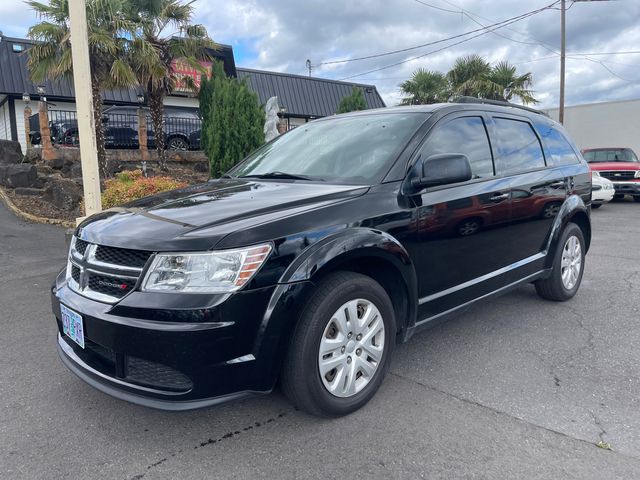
{"points": [[568, 267], [596, 205], [341, 347]]}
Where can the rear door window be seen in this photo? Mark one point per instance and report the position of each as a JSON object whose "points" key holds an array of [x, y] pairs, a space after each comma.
{"points": [[465, 135], [518, 147]]}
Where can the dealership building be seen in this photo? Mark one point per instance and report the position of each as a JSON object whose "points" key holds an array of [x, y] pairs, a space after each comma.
{"points": [[301, 98], [604, 124]]}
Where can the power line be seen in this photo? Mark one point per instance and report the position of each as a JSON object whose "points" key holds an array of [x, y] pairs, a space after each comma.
{"points": [[486, 30], [402, 50]]}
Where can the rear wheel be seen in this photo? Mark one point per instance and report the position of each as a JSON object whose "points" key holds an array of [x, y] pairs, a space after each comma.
{"points": [[596, 205], [341, 347], [636, 198], [177, 143], [568, 267]]}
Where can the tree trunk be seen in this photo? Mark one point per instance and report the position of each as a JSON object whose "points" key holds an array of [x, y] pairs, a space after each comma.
{"points": [[103, 165], [156, 108]]}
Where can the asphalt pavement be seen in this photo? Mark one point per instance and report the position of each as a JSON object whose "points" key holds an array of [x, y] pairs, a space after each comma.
{"points": [[515, 388]]}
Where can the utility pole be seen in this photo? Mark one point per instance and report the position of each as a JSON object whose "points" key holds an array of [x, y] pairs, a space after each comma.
{"points": [[309, 66], [563, 32], [84, 106], [562, 60]]}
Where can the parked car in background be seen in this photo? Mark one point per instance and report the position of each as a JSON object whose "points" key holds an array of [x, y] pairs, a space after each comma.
{"points": [[602, 190], [182, 128], [313, 257], [620, 165]]}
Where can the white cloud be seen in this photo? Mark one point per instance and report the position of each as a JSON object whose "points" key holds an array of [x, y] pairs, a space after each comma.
{"points": [[281, 35]]}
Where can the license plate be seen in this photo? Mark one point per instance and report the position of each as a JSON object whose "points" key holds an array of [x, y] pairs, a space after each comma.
{"points": [[72, 325]]}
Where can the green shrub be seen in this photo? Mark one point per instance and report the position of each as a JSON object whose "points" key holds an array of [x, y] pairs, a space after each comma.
{"points": [[232, 120], [132, 185]]}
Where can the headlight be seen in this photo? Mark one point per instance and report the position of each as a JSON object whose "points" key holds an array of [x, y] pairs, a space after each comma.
{"points": [[204, 272], [637, 175], [595, 173]]}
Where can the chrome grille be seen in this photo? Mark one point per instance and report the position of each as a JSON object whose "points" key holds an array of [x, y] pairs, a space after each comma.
{"points": [[106, 274], [619, 175]]}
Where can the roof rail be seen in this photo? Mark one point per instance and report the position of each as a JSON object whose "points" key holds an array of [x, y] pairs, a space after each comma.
{"points": [[502, 103]]}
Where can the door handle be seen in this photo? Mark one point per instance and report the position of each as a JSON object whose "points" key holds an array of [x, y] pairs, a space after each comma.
{"points": [[498, 197], [560, 184]]}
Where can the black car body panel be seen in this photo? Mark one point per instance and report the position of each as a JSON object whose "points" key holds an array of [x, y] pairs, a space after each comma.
{"points": [[435, 250]]}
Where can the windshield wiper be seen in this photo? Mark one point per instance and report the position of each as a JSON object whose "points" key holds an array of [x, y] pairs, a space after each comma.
{"points": [[283, 175]]}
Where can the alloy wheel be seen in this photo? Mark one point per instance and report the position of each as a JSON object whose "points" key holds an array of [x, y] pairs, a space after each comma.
{"points": [[571, 264], [351, 348]]}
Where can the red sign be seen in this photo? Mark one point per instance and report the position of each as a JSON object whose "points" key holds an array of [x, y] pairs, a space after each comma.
{"points": [[182, 69]]}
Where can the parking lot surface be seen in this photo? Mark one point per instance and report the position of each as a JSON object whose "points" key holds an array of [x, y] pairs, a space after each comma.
{"points": [[514, 388]]}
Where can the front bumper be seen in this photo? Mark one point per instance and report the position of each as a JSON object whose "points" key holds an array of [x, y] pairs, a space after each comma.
{"points": [[170, 358], [627, 188]]}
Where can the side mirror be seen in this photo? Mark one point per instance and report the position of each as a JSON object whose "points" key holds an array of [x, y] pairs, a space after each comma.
{"points": [[442, 169]]}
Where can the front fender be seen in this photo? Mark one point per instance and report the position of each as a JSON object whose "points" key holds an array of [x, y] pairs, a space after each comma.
{"points": [[573, 205], [288, 299], [347, 244]]}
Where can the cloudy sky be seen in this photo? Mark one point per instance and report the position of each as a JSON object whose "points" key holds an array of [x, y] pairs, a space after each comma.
{"points": [[281, 34]]}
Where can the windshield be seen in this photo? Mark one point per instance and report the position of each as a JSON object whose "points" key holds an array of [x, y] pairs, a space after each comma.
{"points": [[350, 150], [610, 155]]}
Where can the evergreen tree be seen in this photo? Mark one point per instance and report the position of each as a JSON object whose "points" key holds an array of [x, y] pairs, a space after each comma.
{"points": [[353, 102], [232, 121]]}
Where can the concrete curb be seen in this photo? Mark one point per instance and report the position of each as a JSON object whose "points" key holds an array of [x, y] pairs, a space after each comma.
{"points": [[29, 217]]}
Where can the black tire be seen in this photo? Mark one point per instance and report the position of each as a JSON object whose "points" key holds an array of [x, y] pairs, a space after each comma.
{"points": [[553, 288], [618, 196], [300, 379], [636, 198], [596, 205]]}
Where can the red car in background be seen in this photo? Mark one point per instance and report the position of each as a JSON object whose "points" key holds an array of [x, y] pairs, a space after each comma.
{"points": [[620, 165]]}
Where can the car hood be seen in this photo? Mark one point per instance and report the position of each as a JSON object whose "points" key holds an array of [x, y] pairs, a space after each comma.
{"points": [[198, 217], [600, 166]]}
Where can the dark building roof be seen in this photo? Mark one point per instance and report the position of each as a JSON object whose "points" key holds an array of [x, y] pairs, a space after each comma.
{"points": [[301, 96], [14, 76], [305, 96]]}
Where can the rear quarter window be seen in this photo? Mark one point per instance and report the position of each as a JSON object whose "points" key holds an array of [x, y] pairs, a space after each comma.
{"points": [[518, 147], [558, 146]]}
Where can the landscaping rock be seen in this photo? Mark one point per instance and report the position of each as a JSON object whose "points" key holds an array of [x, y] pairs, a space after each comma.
{"points": [[32, 155], [63, 193], [10, 152], [45, 169], [201, 167], [75, 171], [57, 163], [18, 175]]}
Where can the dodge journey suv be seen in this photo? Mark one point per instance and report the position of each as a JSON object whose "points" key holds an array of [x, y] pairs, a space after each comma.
{"points": [[311, 259]]}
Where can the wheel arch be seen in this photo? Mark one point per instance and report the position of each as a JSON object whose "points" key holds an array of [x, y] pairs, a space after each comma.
{"points": [[572, 210]]}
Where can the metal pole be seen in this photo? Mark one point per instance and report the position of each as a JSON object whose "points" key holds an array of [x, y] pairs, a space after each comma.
{"points": [[562, 60], [84, 106]]}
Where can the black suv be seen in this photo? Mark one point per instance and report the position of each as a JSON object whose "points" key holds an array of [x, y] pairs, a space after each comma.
{"points": [[324, 248]]}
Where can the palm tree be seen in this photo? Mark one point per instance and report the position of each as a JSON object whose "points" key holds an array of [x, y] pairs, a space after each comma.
{"points": [[50, 56], [503, 83], [425, 86], [468, 74], [153, 52]]}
